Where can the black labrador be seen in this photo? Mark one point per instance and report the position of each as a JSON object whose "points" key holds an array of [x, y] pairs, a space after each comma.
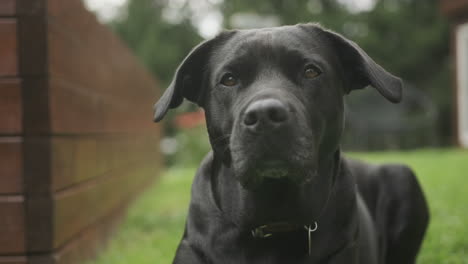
{"points": [[276, 187]]}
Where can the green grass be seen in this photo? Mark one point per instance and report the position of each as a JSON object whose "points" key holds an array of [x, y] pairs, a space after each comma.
{"points": [[154, 224]]}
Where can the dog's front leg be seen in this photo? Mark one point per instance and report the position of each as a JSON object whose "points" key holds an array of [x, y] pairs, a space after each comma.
{"points": [[349, 255], [187, 254]]}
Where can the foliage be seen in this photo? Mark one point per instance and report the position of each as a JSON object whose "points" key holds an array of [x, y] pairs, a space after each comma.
{"points": [[410, 39], [154, 226], [192, 146], [161, 45]]}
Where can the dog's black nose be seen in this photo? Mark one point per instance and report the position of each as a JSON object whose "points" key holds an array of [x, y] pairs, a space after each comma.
{"points": [[265, 113]]}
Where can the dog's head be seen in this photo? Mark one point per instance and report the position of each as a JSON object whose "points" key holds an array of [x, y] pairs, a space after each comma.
{"points": [[273, 97]]}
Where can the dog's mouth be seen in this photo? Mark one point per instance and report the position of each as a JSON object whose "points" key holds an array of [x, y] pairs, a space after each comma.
{"points": [[254, 164], [260, 175], [274, 173], [273, 169]]}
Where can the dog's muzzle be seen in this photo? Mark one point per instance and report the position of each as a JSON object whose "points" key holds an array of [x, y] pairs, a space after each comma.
{"points": [[271, 143]]}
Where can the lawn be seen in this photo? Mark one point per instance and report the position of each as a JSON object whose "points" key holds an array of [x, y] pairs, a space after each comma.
{"points": [[155, 222]]}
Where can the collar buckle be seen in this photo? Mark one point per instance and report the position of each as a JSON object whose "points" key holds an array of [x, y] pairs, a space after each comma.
{"points": [[259, 232]]}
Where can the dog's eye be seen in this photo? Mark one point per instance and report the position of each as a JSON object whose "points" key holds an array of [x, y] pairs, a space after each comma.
{"points": [[229, 79], [311, 72]]}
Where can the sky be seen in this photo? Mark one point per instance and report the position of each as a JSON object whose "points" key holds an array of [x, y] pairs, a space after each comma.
{"points": [[105, 9], [208, 21]]}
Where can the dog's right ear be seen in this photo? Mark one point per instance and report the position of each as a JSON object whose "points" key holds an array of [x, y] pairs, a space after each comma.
{"points": [[187, 81]]}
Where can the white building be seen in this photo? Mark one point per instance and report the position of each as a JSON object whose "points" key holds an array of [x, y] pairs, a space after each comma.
{"points": [[458, 13]]}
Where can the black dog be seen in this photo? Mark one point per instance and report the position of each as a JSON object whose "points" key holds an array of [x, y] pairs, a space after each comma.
{"points": [[276, 188]]}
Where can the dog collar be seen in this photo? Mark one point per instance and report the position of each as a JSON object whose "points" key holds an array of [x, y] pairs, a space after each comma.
{"points": [[269, 230]]}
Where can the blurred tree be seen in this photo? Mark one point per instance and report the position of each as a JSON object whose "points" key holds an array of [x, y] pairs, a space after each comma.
{"points": [[411, 39], [160, 43], [328, 12]]}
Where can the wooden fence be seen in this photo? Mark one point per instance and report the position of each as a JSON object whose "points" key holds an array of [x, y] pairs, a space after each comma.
{"points": [[77, 140]]}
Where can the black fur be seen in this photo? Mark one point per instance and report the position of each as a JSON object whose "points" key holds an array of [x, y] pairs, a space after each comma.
{"points": [[275, 134]]}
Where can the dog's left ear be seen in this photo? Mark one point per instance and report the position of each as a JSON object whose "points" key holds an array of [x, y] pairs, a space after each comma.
{"points": [[188, 79], [362, 71]]}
